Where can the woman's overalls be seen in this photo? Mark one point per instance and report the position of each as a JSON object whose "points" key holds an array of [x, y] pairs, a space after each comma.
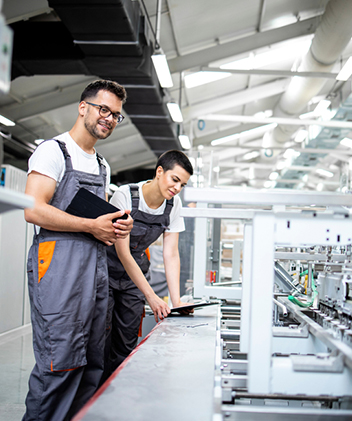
{"points": [[68, 290], [126, 301]]}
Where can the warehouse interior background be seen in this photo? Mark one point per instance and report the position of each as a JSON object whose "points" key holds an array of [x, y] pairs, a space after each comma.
{"points": [[235, 68], [263, 91]]}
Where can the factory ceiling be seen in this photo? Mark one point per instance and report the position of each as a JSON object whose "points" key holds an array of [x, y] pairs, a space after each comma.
{"points": [[271, 64]]}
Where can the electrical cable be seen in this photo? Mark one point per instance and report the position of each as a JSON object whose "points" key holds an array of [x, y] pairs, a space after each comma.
{"points": [[150, 23], [314, 294]]}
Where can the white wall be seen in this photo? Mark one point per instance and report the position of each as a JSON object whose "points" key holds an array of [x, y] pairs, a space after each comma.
{"points": [[14, 311]]}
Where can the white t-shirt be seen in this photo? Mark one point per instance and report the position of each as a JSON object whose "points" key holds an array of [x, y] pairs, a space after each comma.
{"points": [[48, 159], [122, 200]]}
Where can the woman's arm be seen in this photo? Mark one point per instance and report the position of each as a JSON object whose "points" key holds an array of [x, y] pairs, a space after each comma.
{"points": [[172, 266], [158, 306]]}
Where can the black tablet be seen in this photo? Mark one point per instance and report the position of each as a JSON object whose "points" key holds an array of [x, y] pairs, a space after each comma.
{"points": [[192, 306], [88, 205]]}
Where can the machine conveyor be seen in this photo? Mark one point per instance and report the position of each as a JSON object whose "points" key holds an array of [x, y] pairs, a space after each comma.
{"points": [[170, 375]]}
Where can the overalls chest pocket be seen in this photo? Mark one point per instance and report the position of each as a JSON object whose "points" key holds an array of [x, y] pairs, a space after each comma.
{"points": [[137, 234], [92, 186]]}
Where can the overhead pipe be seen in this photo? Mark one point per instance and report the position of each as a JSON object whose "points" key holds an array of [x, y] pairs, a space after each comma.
{"points": [[157, 25], [331, 38]]}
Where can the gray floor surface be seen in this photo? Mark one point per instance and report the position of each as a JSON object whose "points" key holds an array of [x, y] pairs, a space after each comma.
{"points": [[16, 363]]}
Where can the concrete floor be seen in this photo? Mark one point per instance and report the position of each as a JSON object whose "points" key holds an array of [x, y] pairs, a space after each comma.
{"points": [[16, 363]]}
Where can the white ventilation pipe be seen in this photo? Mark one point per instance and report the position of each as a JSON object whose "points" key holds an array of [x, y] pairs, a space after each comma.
{"points": [[330, 39]]}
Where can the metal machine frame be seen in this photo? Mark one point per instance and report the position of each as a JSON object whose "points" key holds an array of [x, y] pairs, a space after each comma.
{"points": [[265, 229]]}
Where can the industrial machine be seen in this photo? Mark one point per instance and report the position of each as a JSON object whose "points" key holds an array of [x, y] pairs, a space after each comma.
{"points": [[286, 321], [278, 344]]}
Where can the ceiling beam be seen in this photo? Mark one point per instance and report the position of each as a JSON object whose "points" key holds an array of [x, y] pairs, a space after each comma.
{"points": [[242, 45], [206, 140], [16, 10], [345, 154], [235, 99], [132, 161], [262, 14], [262, 72], [278, 120], [34, 106]]}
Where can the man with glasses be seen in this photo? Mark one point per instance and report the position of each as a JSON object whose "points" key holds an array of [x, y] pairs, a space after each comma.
{"points": [[67, 270], [105, 112]]}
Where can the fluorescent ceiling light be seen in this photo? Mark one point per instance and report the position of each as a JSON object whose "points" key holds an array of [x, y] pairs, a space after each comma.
{"points": [[305, 178], [281, 165], [346, 142], [322, 107], [273, 176], [162, 70], [300, 186], [291, 153], [282, 21], [259, 131], [201, 78], [269, 57], [320, 186], [175, 112], [269, 184], [324, 173], [346, 71], [184, 140], [216, 169], [224, 139], [264, 114], [5, 121], [250, 155], [251, 174], [301, 136]]}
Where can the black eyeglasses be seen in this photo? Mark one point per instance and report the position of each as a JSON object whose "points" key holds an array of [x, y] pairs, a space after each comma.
{"points": [[105, 112]]}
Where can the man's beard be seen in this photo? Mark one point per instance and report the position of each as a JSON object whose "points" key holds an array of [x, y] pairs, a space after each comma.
{"points": [[93, 131]]}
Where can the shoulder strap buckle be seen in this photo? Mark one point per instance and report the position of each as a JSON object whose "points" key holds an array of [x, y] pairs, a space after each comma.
{"points": [[100, 159], [134, 189]]}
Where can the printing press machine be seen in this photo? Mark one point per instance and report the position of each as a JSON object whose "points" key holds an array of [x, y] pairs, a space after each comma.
{"points": [[279, 343]]}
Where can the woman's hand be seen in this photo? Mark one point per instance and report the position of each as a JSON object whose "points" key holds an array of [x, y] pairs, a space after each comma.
{"points": [[185, 311], [159, 307]]}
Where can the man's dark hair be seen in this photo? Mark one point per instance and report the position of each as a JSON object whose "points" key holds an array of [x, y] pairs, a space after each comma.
{"points": [[93, 88], [174, 157]]}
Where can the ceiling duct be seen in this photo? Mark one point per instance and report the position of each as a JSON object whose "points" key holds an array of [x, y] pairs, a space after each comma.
{"points": [[331, 37], [108, 39], [328, 138]]}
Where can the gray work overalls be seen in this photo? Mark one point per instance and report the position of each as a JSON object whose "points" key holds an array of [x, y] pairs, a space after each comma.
{"points": [[68, 290], [126, 301]]}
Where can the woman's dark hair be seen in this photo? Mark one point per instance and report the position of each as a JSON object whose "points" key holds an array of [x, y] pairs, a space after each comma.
{"points": [[93, 88], [174, 157]]}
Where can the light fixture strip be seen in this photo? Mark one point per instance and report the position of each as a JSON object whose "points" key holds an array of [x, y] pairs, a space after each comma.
{"points": [[324, 173], [162, 70], [184, 140], [346, 71], [5, 121], [175, 112], [346, 142]]}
